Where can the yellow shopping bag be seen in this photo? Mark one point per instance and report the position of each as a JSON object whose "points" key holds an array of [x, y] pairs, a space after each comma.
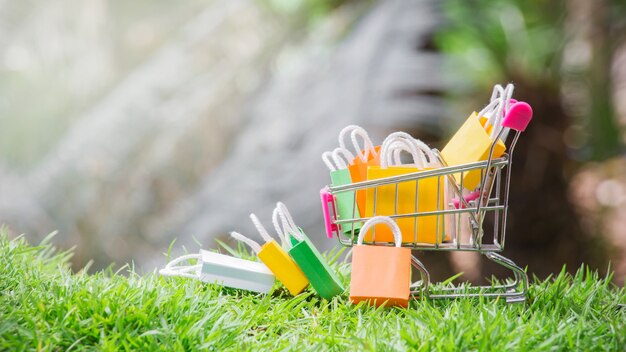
{"points": [[473, 141], [417, 196], [276, 259]]}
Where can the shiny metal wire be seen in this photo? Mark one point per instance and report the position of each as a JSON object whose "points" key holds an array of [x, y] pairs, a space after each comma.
{"points": [[464, 226]]}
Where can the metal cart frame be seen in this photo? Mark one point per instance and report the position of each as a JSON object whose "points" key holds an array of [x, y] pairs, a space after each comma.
{"points": [[464, 222]]}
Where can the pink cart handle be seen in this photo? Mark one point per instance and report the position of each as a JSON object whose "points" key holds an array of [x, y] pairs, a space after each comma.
{"points": [[328, 202], [518, 117]]}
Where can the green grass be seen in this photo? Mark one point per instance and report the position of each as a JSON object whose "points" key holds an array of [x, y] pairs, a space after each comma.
{"points": [[44, 306]]}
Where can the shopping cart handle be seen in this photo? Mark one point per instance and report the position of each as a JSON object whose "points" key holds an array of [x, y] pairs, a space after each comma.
{"points": [[328, 203], [518, 117]]}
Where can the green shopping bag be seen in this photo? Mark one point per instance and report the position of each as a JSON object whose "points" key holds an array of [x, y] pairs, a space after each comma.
{"points": [[321, 276], [339, 176]]}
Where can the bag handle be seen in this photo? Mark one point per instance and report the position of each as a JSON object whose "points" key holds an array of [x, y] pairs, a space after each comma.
{"points": [[288, 225], [497, 109], [336, 155], [174, 269], [355, 130], [397, 235], [397, 142], [252, 244], [259, 227], [393, 146], [490, 110], [505, 105]]}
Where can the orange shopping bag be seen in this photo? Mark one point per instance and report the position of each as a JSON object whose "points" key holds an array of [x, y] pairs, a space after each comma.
{"points": [[473, 141], [381, 275], [366, 157], [417, 196]]}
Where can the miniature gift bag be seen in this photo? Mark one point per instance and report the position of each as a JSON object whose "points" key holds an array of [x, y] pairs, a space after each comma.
{"points": [[381, 275], [474, 140], [409, 197], [323, 279], [366, 157], [339, 176], [276, 259], [224, 270]]}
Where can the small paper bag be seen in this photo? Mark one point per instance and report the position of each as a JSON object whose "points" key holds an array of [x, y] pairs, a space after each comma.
{"points": [[322, 278], [471, 143], [424, 195], [276, 259], [339, 176], [285, 268], [381, 275], [365, 157], [223, 270]]}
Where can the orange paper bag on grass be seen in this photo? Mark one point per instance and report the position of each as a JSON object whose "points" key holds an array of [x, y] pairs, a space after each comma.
{"points": [[381, 275], [366, 157], [417, 196]]}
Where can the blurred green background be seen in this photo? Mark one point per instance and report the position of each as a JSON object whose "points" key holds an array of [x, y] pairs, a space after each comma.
{"points": [[125, 125]]}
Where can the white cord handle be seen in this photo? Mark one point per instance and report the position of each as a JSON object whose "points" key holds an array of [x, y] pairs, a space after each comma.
{"points": [[392, 148], [288, 225], [490, 110], [259, 227], [397, 235], [326, 159], [239, 237], [507, 106], [397, 142], [502, 110], [496, 110], [336, 155], [354, 130], [190, 271], [368, 146]]}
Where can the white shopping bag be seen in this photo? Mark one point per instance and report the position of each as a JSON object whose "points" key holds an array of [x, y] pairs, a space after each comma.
{"points": [[224, 270]]}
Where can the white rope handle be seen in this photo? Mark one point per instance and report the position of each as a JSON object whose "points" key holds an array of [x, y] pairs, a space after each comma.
{"points": [[354, 131], [341, 162], [508, 94], [368, 146], [344, 131], [260, 228], [390, 155], [397, 235], [326, 159], [173, 269], [427, 151], [489, 111], [497, 108], [288, 225], [397, 142], [341, 157], [239, 237], [283, 239]]}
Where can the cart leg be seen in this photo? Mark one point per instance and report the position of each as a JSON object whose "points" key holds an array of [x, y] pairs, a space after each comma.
{"points": [[420, 288], [513, 295]]}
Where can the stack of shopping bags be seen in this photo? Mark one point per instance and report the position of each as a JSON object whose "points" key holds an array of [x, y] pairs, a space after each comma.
{"points": [[381, 219]]}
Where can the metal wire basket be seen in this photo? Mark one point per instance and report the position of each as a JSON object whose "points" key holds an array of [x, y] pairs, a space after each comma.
{"points": [[466, 221]]}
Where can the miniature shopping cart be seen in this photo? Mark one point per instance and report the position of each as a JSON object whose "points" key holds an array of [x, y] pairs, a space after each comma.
{"points": [[466, 221]]}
